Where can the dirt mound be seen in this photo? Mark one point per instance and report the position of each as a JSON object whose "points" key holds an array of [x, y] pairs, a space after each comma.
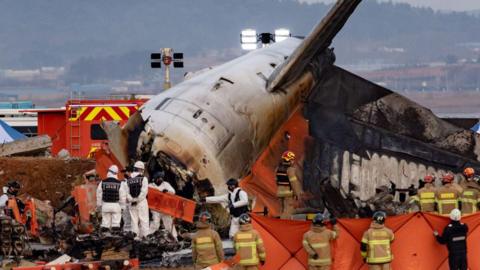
{"points": [[44, 178]]}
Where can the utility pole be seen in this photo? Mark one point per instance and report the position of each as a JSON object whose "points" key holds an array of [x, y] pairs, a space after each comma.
{"points": [[167, 60]]}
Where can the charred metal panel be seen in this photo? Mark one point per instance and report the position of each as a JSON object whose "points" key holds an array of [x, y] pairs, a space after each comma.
{"points": [[366, 136], [342, 103]]}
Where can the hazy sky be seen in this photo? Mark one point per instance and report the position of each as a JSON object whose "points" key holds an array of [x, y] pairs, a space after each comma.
{"points": [[458, 5]]}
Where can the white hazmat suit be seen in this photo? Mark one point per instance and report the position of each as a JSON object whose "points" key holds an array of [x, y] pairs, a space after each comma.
{"points": [[238, 200], [110, 206], [127, 220], [138, 207], [157, 216]]}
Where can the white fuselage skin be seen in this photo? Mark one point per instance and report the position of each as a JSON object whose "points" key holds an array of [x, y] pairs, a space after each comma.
{"points": [[217, 123]]}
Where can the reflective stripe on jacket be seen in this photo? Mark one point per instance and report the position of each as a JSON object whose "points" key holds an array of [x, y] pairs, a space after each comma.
{"points": [[378, 241], [284, 186], [427, 198], [317, 242], [249, 246], [206, 246], [470, 198], [447, 199]]}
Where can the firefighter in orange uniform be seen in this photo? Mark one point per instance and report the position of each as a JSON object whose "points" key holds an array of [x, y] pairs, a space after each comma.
{"points": [[207, 246], [248, 245], [470, 197], [317, 243], [376, 244], [447, 196], [425, 199], [288, 186]]}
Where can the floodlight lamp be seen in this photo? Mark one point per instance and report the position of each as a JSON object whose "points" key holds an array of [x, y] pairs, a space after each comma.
{"points": [[248, 36], [249, 47], [282, 34]]}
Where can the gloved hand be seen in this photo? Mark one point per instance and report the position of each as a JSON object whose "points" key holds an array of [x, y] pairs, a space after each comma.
{"points": [[262, 263], [364, 260], [133, 204], [315, 257], [164, 191], [230, 205], [435, 233], [333, 220], [203, 199]]}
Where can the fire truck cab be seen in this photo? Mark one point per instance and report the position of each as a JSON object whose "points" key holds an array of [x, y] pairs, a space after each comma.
{"points": [[76, 127]]}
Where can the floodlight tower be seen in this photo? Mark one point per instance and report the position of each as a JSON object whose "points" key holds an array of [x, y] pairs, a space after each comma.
{"points": [[166, 56], [249, 38]]}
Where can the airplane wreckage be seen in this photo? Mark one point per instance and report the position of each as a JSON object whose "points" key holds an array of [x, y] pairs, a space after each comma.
{"points": [[350, 135]]}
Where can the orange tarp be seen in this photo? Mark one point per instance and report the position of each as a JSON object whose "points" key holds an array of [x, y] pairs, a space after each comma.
{"points": [[172, 205], [86, 198], [262, 181], [414, 247]]}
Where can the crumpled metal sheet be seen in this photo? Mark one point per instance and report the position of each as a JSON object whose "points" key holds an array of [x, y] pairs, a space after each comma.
{"points": [[344, 108]]}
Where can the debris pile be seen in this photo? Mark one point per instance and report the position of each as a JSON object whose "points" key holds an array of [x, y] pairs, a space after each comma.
{"points": [[44, 178]]}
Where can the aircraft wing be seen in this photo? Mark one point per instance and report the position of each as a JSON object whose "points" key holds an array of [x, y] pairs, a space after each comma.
{"points": [[313, 45]]}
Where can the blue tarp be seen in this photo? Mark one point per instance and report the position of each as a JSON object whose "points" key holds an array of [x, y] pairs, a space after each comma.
{"points": [[9, 134], [476, 128]]}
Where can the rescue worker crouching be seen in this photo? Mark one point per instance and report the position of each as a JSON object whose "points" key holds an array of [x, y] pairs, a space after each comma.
{"points": [[248, 245], [376, 244], [137, 198], [237, 200], [207, 246], [470, 196], [455, 237], [163, 186], [288, 186], [447, 196], [317, 243], [110, 196], [425, 198]]}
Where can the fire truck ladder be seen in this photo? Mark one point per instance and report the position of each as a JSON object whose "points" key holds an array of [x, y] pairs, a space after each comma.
{"points": [[75, 131]]}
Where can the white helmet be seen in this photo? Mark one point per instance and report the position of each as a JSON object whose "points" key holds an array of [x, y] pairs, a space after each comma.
{"points": [[455, 215], [113, 169], [139, 165]]}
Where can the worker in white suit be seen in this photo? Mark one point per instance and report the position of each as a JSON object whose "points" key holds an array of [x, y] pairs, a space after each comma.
{"points": [[110, 197], [237, 201], [127, 220], [160, 184], [137, 198]]}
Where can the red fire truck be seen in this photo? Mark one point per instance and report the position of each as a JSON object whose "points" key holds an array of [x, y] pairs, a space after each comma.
{"points": [[76, 127]]}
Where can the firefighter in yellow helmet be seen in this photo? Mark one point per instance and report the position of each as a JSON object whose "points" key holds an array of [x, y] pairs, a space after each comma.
{"points": [[425, 198], [447, 196], [317, 243], [376, 244], [207, 246], [470, 196], [248, 245], [289, 188]]}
